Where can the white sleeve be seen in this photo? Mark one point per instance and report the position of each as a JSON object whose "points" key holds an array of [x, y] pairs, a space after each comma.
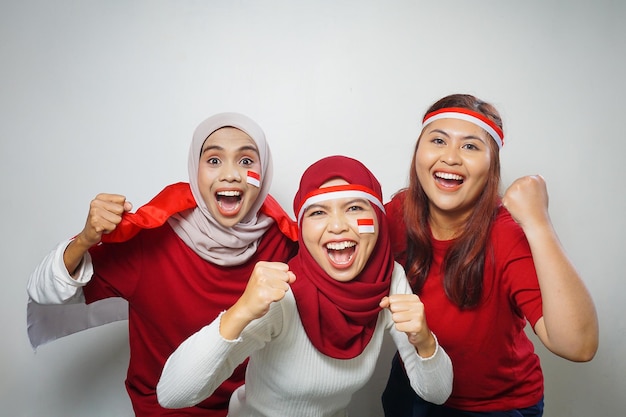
{"points": [[431, 378], [51, 283], [205, 360]]}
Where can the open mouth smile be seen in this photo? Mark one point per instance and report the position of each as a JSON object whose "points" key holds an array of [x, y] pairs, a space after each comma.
{"points": [[448, 180], [228, 201], [341, 254]]}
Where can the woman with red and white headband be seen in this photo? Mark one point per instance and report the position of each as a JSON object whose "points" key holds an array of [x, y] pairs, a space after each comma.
{"points": [[313, 328], [483, 265]]}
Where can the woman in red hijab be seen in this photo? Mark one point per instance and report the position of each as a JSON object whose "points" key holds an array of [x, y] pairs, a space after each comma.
{"points": [[313, 328]]}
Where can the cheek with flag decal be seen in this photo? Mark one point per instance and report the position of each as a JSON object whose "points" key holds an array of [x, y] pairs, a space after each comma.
{"points": [[254, 178], [365, 225]]}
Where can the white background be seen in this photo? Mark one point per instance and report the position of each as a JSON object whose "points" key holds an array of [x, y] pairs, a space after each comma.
{"points": [[103, 96]]}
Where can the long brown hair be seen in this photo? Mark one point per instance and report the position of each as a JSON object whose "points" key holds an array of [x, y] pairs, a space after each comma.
{"points": [[463, 265]]}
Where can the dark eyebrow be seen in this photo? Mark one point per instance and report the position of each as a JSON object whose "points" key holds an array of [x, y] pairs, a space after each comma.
{"points": [[211, 148], [315, 206], [324, 204], [468, 137], [358, 200], [249, 148], [220, 148]]}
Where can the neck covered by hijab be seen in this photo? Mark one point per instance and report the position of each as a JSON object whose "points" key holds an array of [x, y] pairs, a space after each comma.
{"points": [[340, 317], [225, 246]]}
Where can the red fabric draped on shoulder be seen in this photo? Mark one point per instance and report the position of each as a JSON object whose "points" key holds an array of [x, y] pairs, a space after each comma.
{"points": [[176, 198]]}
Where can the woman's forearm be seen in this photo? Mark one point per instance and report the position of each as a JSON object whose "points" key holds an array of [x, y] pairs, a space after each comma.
{"points": [[569, 326]]}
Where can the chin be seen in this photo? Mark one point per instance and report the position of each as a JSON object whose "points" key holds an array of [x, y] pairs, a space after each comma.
{"points": [[343, 277]]}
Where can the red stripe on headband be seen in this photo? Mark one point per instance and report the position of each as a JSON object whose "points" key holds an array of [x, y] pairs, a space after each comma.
{"points": [[493, 129]]}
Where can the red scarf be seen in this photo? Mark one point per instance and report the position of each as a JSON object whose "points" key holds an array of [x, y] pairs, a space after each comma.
{"points": [[340, 317], [176, 198]]}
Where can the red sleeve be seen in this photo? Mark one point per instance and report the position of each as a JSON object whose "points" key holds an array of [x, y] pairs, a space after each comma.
{"points": [[519, 269], [397, 230], [116, 270]]}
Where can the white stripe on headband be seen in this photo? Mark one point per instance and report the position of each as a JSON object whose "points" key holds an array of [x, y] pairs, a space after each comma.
{"points": [[498, 137], [333, 195]]}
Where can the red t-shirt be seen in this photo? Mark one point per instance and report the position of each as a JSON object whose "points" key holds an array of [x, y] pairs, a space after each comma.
{"points": [[495, 367], [172, 293]]}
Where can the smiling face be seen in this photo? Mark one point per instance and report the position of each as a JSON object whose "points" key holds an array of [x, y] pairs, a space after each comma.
{"points": [[331, 234], [225, 159], [452, 164]]}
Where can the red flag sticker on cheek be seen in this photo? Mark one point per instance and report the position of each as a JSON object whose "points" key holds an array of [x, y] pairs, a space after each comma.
{"points": [[254, 178], [365, 225]]}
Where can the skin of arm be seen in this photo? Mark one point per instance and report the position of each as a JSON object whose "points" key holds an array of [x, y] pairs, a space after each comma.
{"points": [[268, 283], [569, 326], [105, 213]]}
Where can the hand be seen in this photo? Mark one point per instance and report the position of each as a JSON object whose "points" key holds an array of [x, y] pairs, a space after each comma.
{"points": [[527, 201], [105, 213], [268, 283], [407, 311]]}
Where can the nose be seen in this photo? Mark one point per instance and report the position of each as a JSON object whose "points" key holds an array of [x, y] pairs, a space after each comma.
{"points": [[338, 223], [230, 173], [450, 155]]}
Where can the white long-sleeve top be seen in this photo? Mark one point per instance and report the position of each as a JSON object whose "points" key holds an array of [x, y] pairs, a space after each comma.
{"points": [[50, 283], [286, 375]]}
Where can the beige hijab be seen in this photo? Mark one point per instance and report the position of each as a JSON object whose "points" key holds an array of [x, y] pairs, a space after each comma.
{"points": [[226, 246]]}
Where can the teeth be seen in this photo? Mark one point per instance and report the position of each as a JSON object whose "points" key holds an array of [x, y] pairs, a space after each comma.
{"points": [[340, 245], [448, 176], [229, 193]]}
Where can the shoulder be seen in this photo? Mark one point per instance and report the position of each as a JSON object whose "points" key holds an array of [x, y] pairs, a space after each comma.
{"points": [[399, 282], [276, 245], [395, 205], [505, 225], [506, 235], [156, 237], [394, 211]]}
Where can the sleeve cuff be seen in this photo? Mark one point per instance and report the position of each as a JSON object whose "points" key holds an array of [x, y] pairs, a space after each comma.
{"points": [[423, 359], [83, 273]]}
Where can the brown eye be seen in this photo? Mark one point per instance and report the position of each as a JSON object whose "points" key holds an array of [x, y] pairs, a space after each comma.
{"points": [[471, 147], [246, 161], [438, 141]]}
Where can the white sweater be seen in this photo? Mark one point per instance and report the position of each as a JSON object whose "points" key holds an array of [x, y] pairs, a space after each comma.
{"points": [[286, 375]]}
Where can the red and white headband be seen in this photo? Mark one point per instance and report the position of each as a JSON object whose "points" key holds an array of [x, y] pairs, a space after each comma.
{"points": [[339, 191], [469, 116]]}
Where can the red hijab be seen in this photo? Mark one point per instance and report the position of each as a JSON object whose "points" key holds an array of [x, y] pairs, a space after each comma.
{"points": [[340, 317]]}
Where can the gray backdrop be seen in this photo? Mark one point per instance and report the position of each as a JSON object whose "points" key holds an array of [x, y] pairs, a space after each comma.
{"points": [[103, 96]]}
